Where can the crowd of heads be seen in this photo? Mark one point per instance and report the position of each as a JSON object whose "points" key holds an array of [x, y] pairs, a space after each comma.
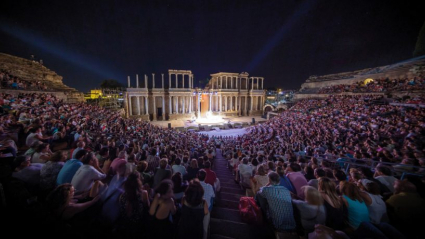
{"points": [[377, 85], [9, 81]]}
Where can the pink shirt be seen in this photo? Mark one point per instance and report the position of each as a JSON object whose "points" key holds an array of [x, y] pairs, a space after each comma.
{"points": [[298, 180]]}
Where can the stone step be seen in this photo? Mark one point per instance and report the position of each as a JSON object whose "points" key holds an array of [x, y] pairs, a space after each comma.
{"points": [[226, 214], [238, 230]]}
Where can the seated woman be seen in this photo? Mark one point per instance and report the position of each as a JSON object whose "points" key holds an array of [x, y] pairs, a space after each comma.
{"points": [[179, 186], [133, 204], [335, 209], [50, 170], [312, 210], [259, 180], [62, 204], [371, 195], [192, 170], [357, 209], [162, 209], [193, 211], [42, 154]]}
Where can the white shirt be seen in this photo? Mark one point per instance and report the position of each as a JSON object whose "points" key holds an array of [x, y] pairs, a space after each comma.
{"points": [[84, 178], [388, 181], [208, 192], [179, 168], [31, 139]]}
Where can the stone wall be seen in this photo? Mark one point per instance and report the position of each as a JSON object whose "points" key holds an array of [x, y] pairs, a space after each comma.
{"points": [[33, 71]]}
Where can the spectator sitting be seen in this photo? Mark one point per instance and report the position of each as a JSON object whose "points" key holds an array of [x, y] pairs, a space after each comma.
{"points": [[179, 186], [318, 173], [80, 146], [209, 196], [161, 208], [357, 209], [244, 172], [27, 172], [259, 180], [161, 173], [70, 168], [406, 208], [194, 209], [384, 175], [42, 154], [133, 203], [297, 179], [211, 178], [177, 167], [284, 181], [192, 170], [49, 172], [147, 177], [275, 201], [61, 202], [375, 204], [309, 173], [312, 210], [335, 209], [86, 176]]}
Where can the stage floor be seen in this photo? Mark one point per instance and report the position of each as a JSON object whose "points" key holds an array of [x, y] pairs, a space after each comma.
{"points": [[185, 122]]}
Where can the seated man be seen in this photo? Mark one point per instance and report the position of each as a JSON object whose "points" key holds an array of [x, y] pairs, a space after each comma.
{"points": [[275, 201], [87, 175], [70, 168]]}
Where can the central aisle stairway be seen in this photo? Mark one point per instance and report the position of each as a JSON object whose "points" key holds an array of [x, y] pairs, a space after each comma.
{"points": [[225, 221]]}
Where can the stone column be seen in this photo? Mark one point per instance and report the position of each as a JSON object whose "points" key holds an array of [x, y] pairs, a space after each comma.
{"points": [[162, 81], [221, 103], [236, 82], [176, 99], [137, 81], [169, 81], [190, 104], [210, 109], [231, 103], [138, 105], [128, 81], [153, 80], [252, 84], [246, 106], [146, 81], [163, 108], [221, 83], [154, 107], [240, 105], [262, 83], [184, 104], [130, 110], [183, 79], [231, 82], [171, 106], [225, 103], [226, 82], [198, 104], [147, 105]]}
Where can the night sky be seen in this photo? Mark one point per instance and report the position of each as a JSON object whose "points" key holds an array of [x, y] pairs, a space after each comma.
{"points": [[284, 41]]}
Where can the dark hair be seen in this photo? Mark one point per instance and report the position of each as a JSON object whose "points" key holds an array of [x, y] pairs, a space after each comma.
{"points": [[373, 188], [385, 170], [202, 175], [340, 175], [366, 172], [87, 158], [320, 172], [207, 164], [58, 197], [57, 156], [351, 190], [80, 153], [177, 181], [103, 151], [142, 166], [295, 167], [274, 178], [163, 163], [41, 147], [194, 194], [19, 160], [164, 186], [133, 187], [177, 161]]}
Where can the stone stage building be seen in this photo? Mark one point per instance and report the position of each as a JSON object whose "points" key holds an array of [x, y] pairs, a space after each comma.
{"points": [[226, 94]]}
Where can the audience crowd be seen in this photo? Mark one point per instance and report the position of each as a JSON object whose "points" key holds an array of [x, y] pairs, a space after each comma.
{"points": [[9, 81], [377, 85], [97, 173]]}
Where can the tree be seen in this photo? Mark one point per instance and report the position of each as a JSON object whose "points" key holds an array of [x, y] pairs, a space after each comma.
{"points": [[110, 84]]}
